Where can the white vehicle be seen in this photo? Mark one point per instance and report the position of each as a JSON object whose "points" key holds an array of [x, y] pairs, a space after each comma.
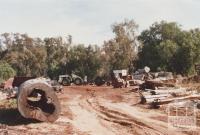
{"points": [[121, 73], [66, 80]]}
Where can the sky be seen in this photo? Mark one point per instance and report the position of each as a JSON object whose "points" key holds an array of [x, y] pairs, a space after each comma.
{"points": [[89, 21]]}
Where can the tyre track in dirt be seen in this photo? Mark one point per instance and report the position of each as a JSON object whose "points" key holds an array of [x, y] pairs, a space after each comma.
{"points": [[85, 119], [115, 118], [133, 125], [98, 111]]}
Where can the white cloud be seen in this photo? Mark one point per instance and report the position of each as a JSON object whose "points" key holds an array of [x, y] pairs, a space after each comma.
{"points": [[89, 21]]}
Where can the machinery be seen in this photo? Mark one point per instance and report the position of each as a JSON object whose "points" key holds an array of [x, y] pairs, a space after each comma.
{"points": [[66, 80], [118, 79], [120, 73]]}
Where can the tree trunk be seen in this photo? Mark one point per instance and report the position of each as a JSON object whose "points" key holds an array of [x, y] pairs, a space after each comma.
{"points": [[37, 100], [167, 101]]}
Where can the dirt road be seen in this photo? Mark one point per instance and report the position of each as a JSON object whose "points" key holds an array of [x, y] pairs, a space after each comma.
{"points": [[90, 110]]}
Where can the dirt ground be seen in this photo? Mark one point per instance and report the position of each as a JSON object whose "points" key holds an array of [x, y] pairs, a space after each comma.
{"points": [[91, 110]]}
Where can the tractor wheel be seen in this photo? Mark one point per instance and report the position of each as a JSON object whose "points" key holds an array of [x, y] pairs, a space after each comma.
{"points": [[66, 82], [78, 81], [108, 83]]}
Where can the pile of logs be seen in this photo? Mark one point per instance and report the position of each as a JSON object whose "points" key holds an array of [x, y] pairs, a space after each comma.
{"points": [[165, 94], [154, 84]]}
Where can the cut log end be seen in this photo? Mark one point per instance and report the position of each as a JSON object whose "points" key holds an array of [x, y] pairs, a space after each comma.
{"points": [[37, 100]]}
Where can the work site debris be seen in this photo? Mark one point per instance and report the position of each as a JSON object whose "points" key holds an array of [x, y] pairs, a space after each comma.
{"points": [[161, 88], [154, 84], [142, 74], [121, 78], [118, 82], [37, 100], [57, 87], [2, 95], [191, 79], [8, 93], [144, 70], [163, 75], [8, 84], [165, 95]]}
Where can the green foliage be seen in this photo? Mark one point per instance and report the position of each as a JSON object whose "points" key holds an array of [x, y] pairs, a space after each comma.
{"points": [[57, 53], [166, 52], [50, 57], [84, 61], [167, 47], [6, 71], [163, 46], [27, 60], [187, 55], [119, 52], [158, 45]]}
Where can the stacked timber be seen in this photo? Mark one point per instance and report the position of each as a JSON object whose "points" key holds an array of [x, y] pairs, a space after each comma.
{"points": [[155, 98]]}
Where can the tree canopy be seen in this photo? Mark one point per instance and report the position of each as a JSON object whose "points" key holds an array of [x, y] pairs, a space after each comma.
{"points": [[6, 71], [163, 46], [120, 51], [167, 47]]}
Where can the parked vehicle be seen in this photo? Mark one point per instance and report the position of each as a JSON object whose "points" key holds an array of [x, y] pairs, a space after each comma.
{"points": [[66, 80]]}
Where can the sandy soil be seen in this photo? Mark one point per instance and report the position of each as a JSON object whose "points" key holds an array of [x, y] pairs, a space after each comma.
{"points": [[91, 110]]}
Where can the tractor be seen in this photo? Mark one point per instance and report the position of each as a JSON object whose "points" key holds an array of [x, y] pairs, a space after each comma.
{"points": [[66, 80]]}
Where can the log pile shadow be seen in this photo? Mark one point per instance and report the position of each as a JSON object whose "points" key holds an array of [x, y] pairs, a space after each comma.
{"points": [[12, 117]]}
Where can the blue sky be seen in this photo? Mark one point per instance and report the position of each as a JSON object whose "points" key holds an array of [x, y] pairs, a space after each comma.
{"points": [[89, 21]]}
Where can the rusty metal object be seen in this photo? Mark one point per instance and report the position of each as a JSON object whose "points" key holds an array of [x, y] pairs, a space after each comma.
{"points": [[37, 100]]}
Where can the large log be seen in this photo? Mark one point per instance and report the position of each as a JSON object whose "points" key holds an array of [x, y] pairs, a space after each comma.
{"points": [[153, 84], [156, 96], [161, 101], [173, 92], [152, 98], [37, 100], [191, 97]]}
